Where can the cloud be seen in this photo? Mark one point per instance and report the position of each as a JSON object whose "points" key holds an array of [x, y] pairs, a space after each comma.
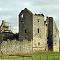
{"points": [[9, 9], [46, 2]]}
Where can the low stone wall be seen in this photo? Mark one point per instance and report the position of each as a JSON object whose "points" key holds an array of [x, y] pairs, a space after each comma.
{"points": [[15, 47]]}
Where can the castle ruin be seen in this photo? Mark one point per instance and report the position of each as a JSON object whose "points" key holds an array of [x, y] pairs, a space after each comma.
{"points": [[35, 34], [42, 33]]}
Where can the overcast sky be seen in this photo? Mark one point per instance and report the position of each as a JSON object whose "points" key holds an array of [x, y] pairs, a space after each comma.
{"points": [[10, 9]]}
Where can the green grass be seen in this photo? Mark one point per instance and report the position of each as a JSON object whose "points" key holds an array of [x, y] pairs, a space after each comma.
{"points": [[35, 56]]}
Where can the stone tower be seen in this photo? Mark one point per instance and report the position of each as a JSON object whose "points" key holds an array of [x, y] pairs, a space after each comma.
{"points": [[50, 33], [31, 28], [53, 35], [39, 37], [25, 25]]}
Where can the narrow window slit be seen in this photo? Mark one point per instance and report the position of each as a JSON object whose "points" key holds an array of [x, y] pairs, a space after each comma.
{"points": [[38, 30]]}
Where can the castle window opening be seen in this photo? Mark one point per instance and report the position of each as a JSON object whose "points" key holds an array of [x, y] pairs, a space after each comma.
{"points": [[25, 31], [38, 20], [47, 42], [22, 21], [55, 43], [46, 24], [38, 30], [38, 43], [6, 26], [22, 16]]}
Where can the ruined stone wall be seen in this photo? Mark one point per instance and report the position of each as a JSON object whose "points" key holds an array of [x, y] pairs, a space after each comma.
{"points": [[16, 47], [53, 35], [50, 33], [55, 38], [46, 34]]}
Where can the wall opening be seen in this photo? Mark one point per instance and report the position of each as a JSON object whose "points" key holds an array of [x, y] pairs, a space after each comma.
{"points": [[38, 20], [25, 31], [22, 16], [38, 43], [38, 30]]}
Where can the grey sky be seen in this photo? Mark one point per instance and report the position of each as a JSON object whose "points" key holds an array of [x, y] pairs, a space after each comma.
{"points": [[9, 10]]}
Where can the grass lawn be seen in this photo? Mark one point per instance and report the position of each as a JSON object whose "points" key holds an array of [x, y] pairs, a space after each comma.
{"points": [[35, 56]]}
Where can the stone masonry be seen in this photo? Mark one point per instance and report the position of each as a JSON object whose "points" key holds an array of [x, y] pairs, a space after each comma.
{"points": [[35, 34], [33, 28]]}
